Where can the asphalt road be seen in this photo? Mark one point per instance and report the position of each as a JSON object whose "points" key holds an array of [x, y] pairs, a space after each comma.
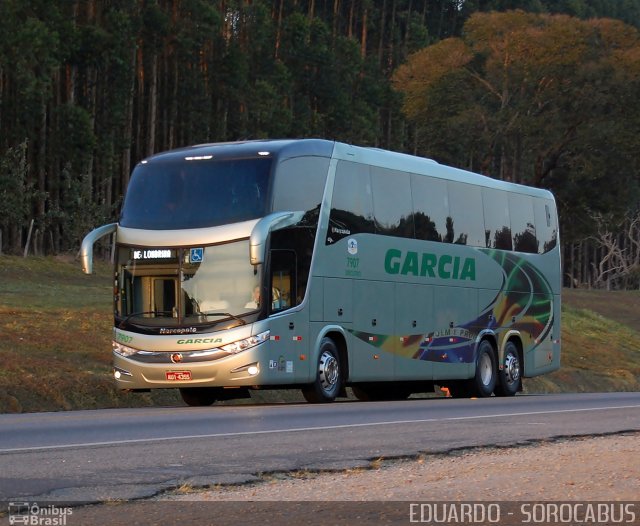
{"points": [[105, 455]]}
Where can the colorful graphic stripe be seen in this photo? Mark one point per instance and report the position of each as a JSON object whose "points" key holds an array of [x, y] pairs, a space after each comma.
{"points": [[524, 303]]}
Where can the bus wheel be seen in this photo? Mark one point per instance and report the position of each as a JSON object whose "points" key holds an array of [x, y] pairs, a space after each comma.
{"points": [[198, 396], [510, 377], [328, 382], [484, 382]]}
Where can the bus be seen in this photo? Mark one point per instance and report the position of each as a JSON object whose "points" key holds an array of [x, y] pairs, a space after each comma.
{"points": [[318, 265]]}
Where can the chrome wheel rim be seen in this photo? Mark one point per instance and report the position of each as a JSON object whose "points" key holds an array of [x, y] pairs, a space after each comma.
{"points": [[328, 369], [511, 369]]}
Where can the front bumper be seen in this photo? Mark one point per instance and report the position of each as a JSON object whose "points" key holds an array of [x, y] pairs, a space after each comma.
{"points": [[243, 369]]}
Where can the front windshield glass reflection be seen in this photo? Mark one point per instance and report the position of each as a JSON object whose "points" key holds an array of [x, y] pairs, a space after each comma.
{"points": [[181, 194], [186, 286]]}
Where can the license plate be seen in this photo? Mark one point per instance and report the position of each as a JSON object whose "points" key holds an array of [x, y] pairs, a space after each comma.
{"points": [[178, 376]]}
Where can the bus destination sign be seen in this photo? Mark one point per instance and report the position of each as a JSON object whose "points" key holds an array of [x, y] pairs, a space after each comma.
{"points": [[153, 254]]}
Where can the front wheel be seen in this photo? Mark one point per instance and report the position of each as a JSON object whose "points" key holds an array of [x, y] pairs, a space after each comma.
{"points": [[328, 381], [510, 377]]}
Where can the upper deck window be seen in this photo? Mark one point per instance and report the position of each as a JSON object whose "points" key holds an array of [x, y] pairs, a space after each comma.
{"points": [[180, 194]]}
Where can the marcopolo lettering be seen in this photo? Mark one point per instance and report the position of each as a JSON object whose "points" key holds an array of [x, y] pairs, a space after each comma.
{"points": [[429, 265]]}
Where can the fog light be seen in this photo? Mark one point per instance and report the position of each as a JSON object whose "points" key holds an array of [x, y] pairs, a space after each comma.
{"points": [[119, 373], [253, 370]]}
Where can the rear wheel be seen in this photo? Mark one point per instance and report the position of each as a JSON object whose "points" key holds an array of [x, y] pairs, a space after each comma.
{"points": [[510, 377], [199, 396], [484, 381], [328, 382]]}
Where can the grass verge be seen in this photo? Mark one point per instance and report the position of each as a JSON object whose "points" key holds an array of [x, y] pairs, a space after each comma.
{"points": [[55, 341]]}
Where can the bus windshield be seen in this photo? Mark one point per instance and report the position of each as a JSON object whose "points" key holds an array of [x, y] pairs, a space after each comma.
{"points": [[173, 287], [181, 194]]}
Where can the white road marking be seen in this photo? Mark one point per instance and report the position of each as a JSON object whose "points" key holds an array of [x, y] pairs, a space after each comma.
{"points": [[302, 429]]}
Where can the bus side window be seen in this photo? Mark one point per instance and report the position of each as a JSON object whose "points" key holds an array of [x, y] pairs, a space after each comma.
{"points": [[496, 219], [352, 203], [283, 289], [545, 221], [523, 225]]}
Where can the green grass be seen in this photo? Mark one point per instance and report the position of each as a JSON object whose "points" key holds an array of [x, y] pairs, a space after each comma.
{"points": [[55, 341], [55, 338], [598, 353], [600, 343]]}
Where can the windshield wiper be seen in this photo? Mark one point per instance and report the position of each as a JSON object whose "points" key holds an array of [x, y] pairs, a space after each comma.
{"points": [[163, 313], [228, 314]]}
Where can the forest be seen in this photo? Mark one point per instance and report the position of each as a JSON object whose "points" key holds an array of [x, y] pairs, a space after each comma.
{"points": [[540, 92]]}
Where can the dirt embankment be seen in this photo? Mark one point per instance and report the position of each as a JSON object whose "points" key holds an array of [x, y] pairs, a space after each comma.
{"points": [[603, 468]]}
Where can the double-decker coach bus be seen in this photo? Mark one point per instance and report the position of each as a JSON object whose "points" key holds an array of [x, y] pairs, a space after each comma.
{"points": [[317, 265]]}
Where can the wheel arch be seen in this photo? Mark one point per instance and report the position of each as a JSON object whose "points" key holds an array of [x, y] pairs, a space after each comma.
{"points": [[492, 338]]}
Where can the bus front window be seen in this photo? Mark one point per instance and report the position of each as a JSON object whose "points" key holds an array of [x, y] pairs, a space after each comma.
{"points": [[178, 195], [185, 286]]}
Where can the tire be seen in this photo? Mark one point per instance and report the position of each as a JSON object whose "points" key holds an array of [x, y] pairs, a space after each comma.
{"points": [[510, 377], [484, 382], [485, 379], [328, 381], [198, 396]]}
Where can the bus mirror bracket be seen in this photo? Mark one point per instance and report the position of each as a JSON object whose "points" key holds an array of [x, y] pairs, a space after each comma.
{"points": [[86, 249], [261, 230]]}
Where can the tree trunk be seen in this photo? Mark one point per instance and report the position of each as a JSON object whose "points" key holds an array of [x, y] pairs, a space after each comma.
{"points": [[140, 113], [42, 172], [407, 31], [381, 40], [336, 15], [351, 18], [363, 37], [152, 113], [128, 126], [279, 27]]}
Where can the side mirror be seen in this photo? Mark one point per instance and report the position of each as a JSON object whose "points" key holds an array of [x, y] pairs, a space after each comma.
{"points": [[260, 232], [86, 250]]}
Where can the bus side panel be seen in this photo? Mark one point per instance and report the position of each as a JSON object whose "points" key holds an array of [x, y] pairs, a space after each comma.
{"points": [[316, 298], [414, 319], [454, 306], [374, 320], [557, 323], [338, 300], [544, 355], [288, 349]]}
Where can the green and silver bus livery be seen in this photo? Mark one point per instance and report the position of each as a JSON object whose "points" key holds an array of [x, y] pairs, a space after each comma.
{"points": [[318, 265]]}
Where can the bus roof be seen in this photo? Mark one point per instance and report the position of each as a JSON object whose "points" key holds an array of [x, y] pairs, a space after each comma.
{"points": [[282, 149], [421, 165], [278, 148]]}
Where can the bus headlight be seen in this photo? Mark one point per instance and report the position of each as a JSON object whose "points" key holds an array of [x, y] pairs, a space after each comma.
{"points": [[123, 350], [247, 343]]}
